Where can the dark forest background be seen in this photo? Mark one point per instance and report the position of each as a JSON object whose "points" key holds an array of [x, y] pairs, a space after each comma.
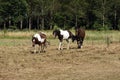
{"points": [[65, 14]]}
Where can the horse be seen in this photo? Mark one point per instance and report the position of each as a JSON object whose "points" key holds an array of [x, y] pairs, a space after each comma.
{"points": [[79, 36], [63, 35], [39, 39]]}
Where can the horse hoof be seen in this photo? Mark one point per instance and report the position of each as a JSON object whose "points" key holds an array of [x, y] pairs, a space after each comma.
{"points": [[59, 49], [79, 47], [32, 52], [42, 51]]}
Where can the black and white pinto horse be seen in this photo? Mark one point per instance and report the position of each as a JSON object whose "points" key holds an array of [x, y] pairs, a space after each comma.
{"points": [[63, 35], [79, 36], [39, 39]]}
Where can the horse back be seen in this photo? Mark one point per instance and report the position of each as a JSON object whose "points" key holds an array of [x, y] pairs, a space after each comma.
{"points": [[70, 34], [80, 32]]}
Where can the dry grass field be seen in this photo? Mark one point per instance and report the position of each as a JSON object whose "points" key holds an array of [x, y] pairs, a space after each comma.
{"points": [[95, 61]]}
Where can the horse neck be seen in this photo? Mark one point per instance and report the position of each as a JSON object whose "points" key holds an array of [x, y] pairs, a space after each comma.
{"points": [[72, 35], [57, 33]]}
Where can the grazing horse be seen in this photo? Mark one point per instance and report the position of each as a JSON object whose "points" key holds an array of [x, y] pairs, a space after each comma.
{"points": [[79, 36], [39, 39], [63, 35]]}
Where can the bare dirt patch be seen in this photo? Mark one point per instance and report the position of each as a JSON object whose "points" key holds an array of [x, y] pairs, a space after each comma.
{"points": [[92, 62]]}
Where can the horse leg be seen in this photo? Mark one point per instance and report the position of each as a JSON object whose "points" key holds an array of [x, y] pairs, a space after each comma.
{"points": [[44, 45], [34, 49], [68, 44], [40, 48], [59, 48], [81, 42]]}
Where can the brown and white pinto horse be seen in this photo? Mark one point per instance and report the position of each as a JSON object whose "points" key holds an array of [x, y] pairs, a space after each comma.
{"points": [[39, 39], [63, 35], [79, 36]]}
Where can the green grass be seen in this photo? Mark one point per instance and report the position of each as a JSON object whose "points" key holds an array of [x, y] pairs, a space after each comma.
{"points": [[114, 36], [90, 35], [13, 42], [22, 34]]}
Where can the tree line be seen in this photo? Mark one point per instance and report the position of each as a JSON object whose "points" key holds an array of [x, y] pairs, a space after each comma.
{"points": [[66, 14]]}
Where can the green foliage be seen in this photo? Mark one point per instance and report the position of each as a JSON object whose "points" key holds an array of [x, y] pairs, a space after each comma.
{"points": [[99, 27], [119, 25], [4, 31], [55, 27], [42, 14], [12, 27]]}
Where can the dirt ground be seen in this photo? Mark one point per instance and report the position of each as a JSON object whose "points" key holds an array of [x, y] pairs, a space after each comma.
{"points": [[92, 62]]}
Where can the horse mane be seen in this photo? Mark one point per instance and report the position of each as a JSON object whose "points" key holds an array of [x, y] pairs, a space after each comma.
{"points": [[79, 31], [56, 31], [42, 34]]}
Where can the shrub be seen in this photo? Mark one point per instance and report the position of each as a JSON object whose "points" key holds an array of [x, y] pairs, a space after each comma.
{"points": [[55, 27], [99, 27]]}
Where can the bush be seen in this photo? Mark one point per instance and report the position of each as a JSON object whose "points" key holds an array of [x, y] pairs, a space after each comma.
{"points": [[99, 27], [12, 28], [119, 25], [55, 27]]}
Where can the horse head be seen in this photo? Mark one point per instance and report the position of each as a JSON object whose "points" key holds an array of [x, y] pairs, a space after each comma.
{"points": [[80, 34], [56, 33], [34, 41]]}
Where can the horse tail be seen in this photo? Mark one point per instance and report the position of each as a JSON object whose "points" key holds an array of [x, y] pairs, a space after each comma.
{"points": [[47, 43]]}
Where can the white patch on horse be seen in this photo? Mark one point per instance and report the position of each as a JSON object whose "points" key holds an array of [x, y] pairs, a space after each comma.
{"points": [[33, 40], [59, 45], [39, 37], [65, 34]]}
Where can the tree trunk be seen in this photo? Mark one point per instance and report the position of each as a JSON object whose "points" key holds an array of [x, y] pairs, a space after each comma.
{"points": [[51, 20], [103, 16], [42, 26], [9, 22], [103, 23], [51, 16], [4, 28], [51, 26], [38, 22], [30, 23], [115, 19], [76, 21], [4, 25], [21, 24]]}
